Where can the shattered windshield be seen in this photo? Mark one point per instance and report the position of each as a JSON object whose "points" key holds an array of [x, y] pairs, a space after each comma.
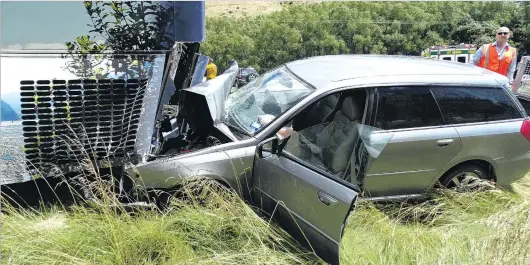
{"points": [[255, 105]]}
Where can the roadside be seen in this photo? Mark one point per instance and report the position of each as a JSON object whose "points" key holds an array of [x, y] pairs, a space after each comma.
{"points": [[490, 227], [234, 9]]}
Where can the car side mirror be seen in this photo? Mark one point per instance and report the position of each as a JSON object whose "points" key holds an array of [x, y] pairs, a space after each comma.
{"points": [[271, 143]]}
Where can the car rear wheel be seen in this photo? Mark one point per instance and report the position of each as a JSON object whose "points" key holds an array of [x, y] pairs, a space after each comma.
{"points": [[467, 177]]}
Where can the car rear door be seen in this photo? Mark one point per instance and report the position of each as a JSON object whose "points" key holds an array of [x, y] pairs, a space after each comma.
{"points": [[305, 200], [418, 145], [491, 125]]}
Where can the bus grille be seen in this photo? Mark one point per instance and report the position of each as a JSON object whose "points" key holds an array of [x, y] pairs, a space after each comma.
{"points": [[66, 121]]}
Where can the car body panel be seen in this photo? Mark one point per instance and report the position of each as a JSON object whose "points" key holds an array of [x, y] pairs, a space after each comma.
{"points": [[488, 142], [410, 160], [211, 94], [232, 166], [335, 68]]}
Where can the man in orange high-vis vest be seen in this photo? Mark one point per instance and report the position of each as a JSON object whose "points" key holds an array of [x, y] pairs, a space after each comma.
{"points": [[498, 56]]}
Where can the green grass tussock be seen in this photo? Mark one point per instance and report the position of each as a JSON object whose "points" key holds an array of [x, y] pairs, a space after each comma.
{"points": [[221, 229], [211, 225], [486, 227], [89, 237]]}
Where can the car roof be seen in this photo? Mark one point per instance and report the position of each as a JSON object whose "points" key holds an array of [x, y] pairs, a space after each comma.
{"points": [[323, 71]]}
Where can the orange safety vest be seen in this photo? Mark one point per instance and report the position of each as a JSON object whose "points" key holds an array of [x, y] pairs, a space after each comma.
{"points": [[490, 59]]}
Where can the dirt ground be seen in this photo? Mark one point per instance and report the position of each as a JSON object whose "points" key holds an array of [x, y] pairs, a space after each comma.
{"points": [[240, 8]]}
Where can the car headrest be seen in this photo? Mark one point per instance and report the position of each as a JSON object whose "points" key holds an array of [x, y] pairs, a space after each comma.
{"points": [[351, 109]]}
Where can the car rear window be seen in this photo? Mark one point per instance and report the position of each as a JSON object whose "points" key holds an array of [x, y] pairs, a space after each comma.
{"points": [[526, 103], [406, 107], [474, 104]]}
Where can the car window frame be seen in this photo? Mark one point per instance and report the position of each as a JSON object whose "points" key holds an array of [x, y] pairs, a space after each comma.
{"points": [[369, 97], [375, 108], [526, 98], [467, 86]]}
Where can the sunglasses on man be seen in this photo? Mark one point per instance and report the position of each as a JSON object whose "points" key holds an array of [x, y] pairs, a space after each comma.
{"points": [[502, 33]]}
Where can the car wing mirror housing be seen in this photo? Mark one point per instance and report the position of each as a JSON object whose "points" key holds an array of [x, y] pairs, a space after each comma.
{"points": [[272, 143]]}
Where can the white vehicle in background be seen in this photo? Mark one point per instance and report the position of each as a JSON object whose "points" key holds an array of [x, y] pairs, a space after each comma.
{"points": [[522, 82], [522, 77], [461, 53]]}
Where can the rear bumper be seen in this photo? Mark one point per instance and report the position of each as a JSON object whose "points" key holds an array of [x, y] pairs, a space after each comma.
{"points": [[511, 170]]}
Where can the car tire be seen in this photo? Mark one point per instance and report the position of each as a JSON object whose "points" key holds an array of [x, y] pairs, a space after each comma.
{"points": [[467, 177]]}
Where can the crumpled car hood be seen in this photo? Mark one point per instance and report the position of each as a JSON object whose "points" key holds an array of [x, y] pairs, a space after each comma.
{"points": [[203, 105]]}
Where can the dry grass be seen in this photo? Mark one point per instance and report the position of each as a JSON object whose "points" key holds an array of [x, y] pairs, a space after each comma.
{"points": [[214, 226], [207, 225], [487, 227], [211, 226], [240, 8]]}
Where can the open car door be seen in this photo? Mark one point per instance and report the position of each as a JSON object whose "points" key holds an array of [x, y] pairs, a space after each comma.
{"points": [[303, 181]]}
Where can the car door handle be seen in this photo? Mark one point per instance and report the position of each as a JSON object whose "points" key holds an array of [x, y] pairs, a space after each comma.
{"points": [[444, 142], [327, 199]]}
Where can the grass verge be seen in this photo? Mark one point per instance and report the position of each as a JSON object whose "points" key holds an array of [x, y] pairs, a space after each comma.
{"points": [[208, 225], [486, 227], [221, 229]]}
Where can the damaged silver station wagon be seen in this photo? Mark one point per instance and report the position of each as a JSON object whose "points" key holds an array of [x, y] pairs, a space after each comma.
{"points": [[318, 133]]}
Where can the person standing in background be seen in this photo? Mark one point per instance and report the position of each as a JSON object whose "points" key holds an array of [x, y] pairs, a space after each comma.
{"points": [[211, 70], [498, 56]]}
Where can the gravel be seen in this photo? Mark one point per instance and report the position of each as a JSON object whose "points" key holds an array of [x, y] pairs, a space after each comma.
{"points": [[12, 161]]}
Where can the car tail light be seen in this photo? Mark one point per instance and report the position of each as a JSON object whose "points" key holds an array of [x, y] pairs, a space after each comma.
{"points": [[525, 129]]}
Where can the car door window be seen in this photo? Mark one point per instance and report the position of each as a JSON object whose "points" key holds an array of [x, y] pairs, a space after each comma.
{"points": [[326, 146], [406, 107], [525, 102], [474, 104]]}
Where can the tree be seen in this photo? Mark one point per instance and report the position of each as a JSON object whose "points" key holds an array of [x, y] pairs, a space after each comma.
{"points": [[303, 30], [468, 30], [520, 25], [125, 29]]}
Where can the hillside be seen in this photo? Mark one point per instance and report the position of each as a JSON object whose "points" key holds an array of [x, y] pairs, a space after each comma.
{"points": [[248, 8], [273, 35], [7, 112], [240, 8]]}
